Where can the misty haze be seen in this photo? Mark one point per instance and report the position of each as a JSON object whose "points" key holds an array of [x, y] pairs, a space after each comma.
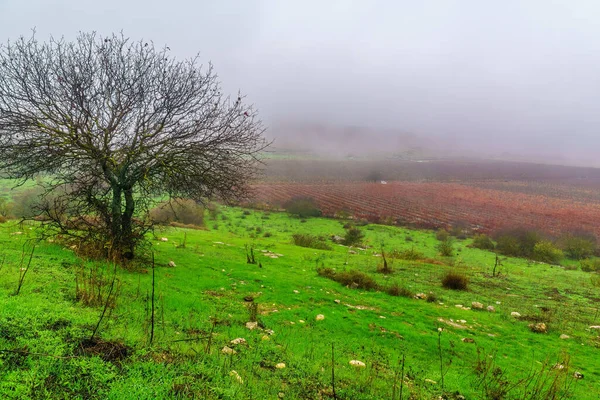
{"points": [[310, 199]]}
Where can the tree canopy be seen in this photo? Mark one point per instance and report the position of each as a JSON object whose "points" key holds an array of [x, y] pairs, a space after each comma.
{"points": [[114, 123]]}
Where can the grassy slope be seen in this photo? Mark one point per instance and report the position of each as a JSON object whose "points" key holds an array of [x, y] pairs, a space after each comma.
{"points": [[212, 278]]}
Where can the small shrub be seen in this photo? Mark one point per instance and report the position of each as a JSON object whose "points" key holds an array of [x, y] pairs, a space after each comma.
{"points": [[399, 291], [432, 298], [590, 265], [442, 235], [353, 279], [408, 238], [2, 219], [353, 236], [184, 211], [578, 246], [545, 251], [518, 242], [411, 255], [310, 241], [267, 234], [302, 207], [455, 281], [483, 242], [446, 248]]}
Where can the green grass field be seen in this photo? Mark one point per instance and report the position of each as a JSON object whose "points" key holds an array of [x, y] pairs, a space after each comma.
{"points": [[201, 306]]}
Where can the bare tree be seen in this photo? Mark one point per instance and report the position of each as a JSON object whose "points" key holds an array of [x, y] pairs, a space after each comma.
{"points": [[114, 123]]}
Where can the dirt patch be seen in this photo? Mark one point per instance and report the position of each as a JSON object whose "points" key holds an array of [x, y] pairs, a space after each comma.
{"points": [[106, 350]]}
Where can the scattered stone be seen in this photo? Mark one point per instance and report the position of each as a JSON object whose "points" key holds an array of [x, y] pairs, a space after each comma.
{"points": [[459, 306], [539, 327], [467, 340], [462, 321], [431, 381], [164, 239], [358, 364], [515, 314], [269, 331], [382, 317], [280, 365], [172, 264], [296, 292], [578, 375], [491, 308], [498, 302], [301, 321], [563, 336], [337, 301], [421, 296], [238, 341], [320, 317], [558, 366], [228, 350], [476, 305], [251, 325], [235, 375], [281, 395], [595, 327]]}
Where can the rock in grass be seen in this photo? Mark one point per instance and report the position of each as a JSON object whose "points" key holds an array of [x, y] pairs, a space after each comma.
{"points": [[320, 317], [577, 375], [539, 327], [236, 376], [172, 264], [515, 314], [421, 296], [595, 327], [491, 308], [238, 341], [251, 325], [280, 365], [228, 350], [357, 364], [431, 381], [164, 239], [563, 336], [467, 340], [476, 305]]}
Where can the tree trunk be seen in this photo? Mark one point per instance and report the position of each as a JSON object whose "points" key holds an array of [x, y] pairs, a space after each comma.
{"points": [[127, 239], [116, 216]]}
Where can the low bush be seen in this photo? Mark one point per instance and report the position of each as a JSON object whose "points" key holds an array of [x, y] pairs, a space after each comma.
{"points": [[310, 241], [590, 265], [410, 254], [446, 248], [182, 211], [353, 279], [455, 281], [545, 251], [399, 291], [302, 207], [483, 242], [578, 246], [353, 236], [518, 242], [442, 235]]}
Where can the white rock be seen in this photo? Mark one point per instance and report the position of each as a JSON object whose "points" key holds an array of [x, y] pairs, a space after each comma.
{"points": [[164, 239], [337, 301], [320, 317], [491, 308], [356, 363], [172, 264], [515, 314], [459, 306], [563, 336], [280, 365], [228, 350], [251, 325], [237, 376], [595, 327], [238, 341], [477, 305], [295, 291]]}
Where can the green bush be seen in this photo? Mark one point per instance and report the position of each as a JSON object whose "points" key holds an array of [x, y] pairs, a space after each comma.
{"points": [[518, 242], [442, 235], [446, 248], [411, 254], [302, 207], [353, 236], [578, 246], [399, 291], [310, 241], [455, 281], [182, 211], [590, 265], [545, 251], [353, 279], [483, 242]]}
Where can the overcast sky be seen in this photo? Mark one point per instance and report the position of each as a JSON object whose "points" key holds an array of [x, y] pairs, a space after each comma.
{"points": [[508, 74]]}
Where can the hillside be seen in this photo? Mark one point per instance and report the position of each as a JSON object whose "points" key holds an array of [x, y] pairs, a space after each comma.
{"points": [[206, 293]]}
